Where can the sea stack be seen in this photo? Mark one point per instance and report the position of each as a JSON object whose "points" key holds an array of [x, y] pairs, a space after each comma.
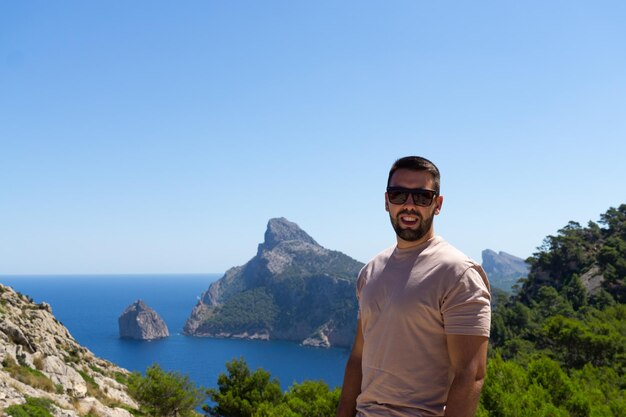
{"points": [[141, 322]]}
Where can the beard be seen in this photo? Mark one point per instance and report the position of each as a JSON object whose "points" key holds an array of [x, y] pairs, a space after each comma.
{"points": [[412, 235]]}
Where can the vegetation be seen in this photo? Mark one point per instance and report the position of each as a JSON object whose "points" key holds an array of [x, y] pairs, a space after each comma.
{"points": [[253, 310], [38, 362], [120, 377], [27, 375], [33, 407], [242, 393], [559, 343], [163, 394], [93, 389]]}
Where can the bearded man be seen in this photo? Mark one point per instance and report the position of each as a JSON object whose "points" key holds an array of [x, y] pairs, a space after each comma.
{"points": [[424, 313]]}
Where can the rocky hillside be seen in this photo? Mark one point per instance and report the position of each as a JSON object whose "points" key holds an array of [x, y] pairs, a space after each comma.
{"points": [[592, 257], [293, 289], [40, 359], [503, 269]]}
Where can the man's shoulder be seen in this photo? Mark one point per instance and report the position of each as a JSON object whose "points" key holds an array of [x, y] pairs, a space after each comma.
{"points": [[454, 264], [446, 253], [382, 255], [380, 259]]}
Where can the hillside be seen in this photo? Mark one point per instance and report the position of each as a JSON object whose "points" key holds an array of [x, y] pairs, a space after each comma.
{"points": [[503, 269], [292, 289], [40, 359], [593, 256], [558, 346]]}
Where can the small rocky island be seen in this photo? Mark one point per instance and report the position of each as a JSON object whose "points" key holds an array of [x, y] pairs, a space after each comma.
{"points": [[141, 322]]}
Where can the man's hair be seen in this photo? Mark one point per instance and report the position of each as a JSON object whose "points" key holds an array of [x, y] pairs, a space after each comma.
{"points": [[416, 163]]}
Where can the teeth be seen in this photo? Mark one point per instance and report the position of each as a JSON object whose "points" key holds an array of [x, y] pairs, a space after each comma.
{"points": [[409, 219]]}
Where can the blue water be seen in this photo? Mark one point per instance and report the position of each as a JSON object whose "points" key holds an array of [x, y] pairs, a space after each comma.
{"points": [[89, 307]]}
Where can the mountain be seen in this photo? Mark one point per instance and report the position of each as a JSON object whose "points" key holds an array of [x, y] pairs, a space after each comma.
{"points": [[292, 289], [503, 269], [141, 322], [42, 362]]}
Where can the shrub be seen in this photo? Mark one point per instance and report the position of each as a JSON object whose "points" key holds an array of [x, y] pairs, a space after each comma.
{"points": [[34, 407], [165, 393], [121, 378], [38, 362], [241, 392], [93, 388], [27, 375]]}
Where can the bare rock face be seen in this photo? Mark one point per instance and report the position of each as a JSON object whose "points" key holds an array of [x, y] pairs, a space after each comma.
{"points": [[141, 322], [32, 340]]}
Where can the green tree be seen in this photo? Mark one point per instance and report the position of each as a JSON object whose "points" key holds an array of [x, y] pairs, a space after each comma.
{"points": [[312, 399], [510, 392], [576, 343], [574, 291], [164, 394], [241, 392]]}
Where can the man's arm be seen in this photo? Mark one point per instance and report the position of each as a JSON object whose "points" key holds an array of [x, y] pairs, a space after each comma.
{"points": [[468, 357], [352, 378]]}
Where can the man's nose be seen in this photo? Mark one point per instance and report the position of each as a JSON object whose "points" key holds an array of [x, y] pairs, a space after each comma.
{"points": [[409, 200]]}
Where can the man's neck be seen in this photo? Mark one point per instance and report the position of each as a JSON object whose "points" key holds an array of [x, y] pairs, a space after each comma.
{"points": [[405, 244]]}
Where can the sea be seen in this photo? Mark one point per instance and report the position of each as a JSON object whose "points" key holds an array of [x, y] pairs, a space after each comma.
{"points": [[89, 306]]}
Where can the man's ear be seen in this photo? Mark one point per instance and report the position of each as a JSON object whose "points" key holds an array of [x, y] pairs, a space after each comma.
{"points": [[439, 203], [386, 203]]}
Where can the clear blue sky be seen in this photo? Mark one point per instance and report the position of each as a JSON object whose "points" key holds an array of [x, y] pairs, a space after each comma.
{"points": [[152, 136]]}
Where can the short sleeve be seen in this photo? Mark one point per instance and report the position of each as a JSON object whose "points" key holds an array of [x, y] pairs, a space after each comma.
{"points": [[360, 282], [466, 308]]}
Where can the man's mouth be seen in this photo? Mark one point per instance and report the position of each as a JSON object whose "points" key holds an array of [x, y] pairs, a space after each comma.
{"points": [[408, 220]]}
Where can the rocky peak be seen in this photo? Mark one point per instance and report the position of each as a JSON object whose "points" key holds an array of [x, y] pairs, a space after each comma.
{"points": [[292, 289], [282, 230], [503, 263], [503, 269], [138, 306], [141, 322]]}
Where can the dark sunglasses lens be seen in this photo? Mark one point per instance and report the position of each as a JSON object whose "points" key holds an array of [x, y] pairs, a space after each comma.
{"points": [[423, 198], [397, 197]]}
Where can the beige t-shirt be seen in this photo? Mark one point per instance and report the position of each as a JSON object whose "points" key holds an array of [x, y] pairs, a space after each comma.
{"points": [[409, 300]]}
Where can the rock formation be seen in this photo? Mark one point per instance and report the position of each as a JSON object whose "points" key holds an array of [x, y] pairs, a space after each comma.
{"points": [[141, 322], [503, 269], [41, 359], [293, 289]]}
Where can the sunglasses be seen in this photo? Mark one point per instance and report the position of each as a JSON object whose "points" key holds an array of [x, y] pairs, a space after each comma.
{"points": [[421, 196]]}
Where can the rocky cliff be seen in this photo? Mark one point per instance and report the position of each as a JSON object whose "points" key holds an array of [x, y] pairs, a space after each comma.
{"points": [[292, 289], [503, 269], [41, 359], [141, 322]]}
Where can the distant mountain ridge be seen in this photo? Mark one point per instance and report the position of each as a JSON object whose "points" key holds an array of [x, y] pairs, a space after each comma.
{"points": [[503, 269], [292, 289]]}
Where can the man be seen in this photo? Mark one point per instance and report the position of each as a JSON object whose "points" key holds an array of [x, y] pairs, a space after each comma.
{"points": [[424, 314]]}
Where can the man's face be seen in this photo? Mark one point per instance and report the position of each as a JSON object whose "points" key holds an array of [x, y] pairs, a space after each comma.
{"points": [[412, 223]]}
